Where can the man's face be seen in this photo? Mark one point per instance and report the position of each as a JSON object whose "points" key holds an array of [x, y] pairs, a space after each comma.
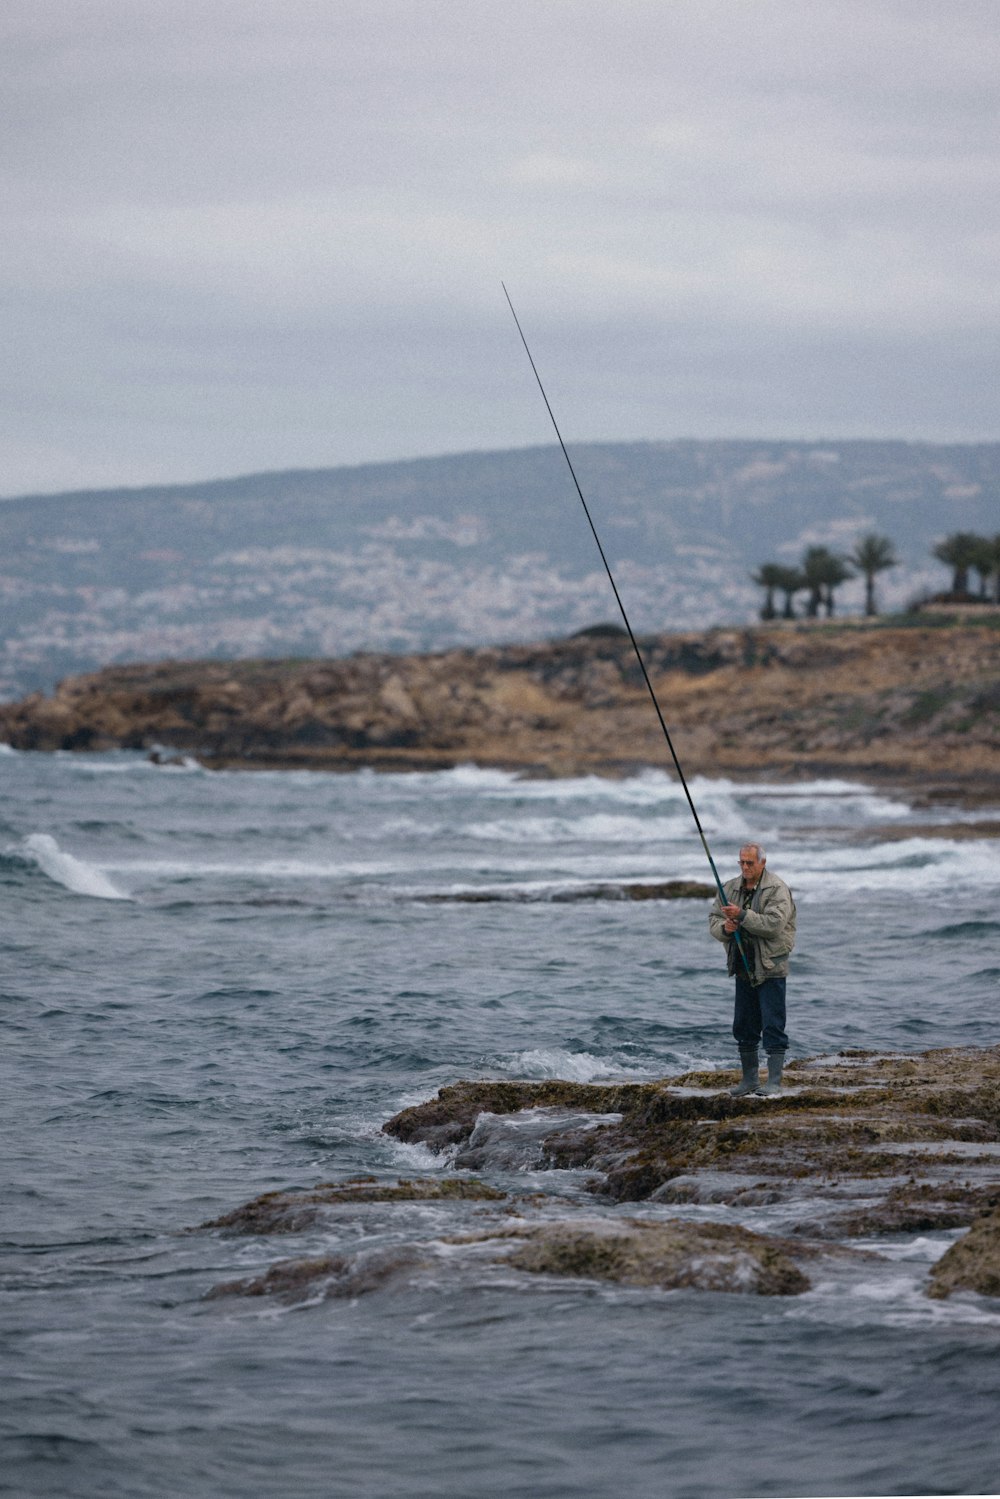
{"points": [[751, 867]]}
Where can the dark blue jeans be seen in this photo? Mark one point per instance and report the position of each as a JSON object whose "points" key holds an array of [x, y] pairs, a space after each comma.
{"points": [[760, 1010]]}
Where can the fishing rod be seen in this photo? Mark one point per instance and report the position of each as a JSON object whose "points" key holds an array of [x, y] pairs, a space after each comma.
{"points": [[628, 627]]}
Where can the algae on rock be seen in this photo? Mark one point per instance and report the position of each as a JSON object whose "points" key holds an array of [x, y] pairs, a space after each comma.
{"points": [[293, 1211], [670, 1255], [971, 1264]]}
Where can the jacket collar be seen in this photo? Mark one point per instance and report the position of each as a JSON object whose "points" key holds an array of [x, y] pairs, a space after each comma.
{"points": [[765, 877]]}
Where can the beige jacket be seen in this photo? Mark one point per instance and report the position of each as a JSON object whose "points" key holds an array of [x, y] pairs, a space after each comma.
{"points": [[770, 922]]}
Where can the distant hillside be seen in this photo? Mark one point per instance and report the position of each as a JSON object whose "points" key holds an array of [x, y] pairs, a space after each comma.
{"points": [[460, 550]]}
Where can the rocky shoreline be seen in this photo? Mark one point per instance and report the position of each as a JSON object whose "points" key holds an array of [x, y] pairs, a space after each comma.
{"points": [[858, 1147], [905, 704]]}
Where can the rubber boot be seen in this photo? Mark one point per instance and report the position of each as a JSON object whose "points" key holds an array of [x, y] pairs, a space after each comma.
{"points": [[750, 1081], [775, 1062]]}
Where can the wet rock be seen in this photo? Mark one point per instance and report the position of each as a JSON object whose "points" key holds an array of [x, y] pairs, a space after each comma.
{"points": [[915, 704], [659, 890], [812, 1144], [702, 1256], [734, 1190], [529, 1140], [451, 1117], [862, 1143], [859, 1118], [326, 1276], [917, 1208], [672, 1255], [294, 1211], [973, 1263]]}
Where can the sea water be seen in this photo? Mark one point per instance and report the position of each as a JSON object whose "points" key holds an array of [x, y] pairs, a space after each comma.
{"points": [[217, 984]]}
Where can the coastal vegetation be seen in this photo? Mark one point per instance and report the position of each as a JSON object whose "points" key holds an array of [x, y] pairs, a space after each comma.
{"points": [[822, 571], [430, 554], [965, 552]]}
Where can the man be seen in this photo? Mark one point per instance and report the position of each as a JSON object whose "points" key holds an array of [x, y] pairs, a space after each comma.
{"points": [[758, 906]]}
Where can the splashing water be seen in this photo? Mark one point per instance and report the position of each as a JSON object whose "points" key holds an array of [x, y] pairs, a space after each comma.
{"points": [[67, 870]]}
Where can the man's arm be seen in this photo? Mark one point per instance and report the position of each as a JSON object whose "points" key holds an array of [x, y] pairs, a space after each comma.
{"points": [[717, 922]]}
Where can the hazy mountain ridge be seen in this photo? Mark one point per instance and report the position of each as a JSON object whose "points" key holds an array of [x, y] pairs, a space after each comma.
{"points": [[459, 550]]}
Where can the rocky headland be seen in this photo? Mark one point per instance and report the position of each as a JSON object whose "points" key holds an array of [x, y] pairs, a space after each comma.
{"points": [[858, 1149], [913, 703]]}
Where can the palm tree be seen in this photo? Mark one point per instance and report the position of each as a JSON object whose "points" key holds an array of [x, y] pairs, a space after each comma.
{"points": [[872, 554], [959, 551], [791, 582], [824, 571], [768, 576], [984, 562]]}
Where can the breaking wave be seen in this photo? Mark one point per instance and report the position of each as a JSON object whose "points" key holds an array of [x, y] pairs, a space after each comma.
{"points": [[540, 1063], [906, 865], [67, 870], [604, 827]]}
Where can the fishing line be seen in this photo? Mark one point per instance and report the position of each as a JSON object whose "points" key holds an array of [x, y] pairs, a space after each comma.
{"points": [[628, 627]]}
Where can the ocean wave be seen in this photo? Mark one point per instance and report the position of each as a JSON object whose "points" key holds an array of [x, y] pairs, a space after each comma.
{"points": [[965, 929], [909, 865], [608, 827], [650, 785], [74, 874], [129, 762], [264, 869], [893, 1295], [541, 1062], [457, 777], [115, 762], [415, 1157], [869, 802]]}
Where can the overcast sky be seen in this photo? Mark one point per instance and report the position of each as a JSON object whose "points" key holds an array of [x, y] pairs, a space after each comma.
{"points": [[248, 234]]}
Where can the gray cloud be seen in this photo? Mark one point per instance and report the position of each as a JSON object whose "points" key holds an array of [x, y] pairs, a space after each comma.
{"points": [[256, 234]]}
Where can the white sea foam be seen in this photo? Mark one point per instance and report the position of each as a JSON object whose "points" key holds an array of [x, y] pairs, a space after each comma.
{"points": [[894, 1296], [269, 869], [610, 827], [808, 791], [904, 866], [337, 871], [478, 776], [174, 763], [643, 789], [601, 827], [69, 871], [726, 807], [923, 1249], [414, 1156], [460, 777], [7, 749], [658, 786], [126, 762], [577, 1067], [104, 765]]}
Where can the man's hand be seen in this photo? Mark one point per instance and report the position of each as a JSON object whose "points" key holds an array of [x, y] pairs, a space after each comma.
{"points": [[732, 913]]}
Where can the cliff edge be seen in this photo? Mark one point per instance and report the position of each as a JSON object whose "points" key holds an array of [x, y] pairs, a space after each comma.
{"points": [[892, 701]]}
